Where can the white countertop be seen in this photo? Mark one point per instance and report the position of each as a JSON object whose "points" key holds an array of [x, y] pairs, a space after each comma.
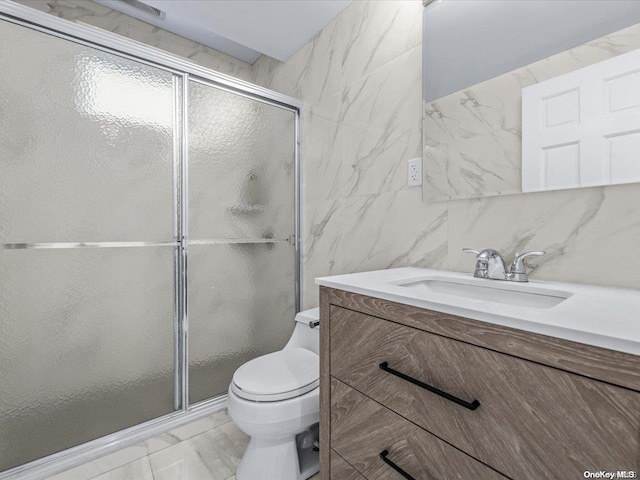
{"points": [[599, 316]]}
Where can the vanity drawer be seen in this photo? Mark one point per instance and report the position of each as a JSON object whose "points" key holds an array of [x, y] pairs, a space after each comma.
{"points": [[341, 470], [362, 429], [533, 421]]}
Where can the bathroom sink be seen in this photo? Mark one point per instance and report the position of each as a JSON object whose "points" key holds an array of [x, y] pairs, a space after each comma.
{"points": [[598, 316], [523, 295]]}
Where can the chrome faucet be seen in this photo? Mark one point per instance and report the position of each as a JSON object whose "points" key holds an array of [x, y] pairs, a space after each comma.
{"points": [[490, 264]]}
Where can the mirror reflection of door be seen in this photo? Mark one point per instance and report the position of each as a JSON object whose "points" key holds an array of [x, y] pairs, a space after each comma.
{"points": [[474, 82]]}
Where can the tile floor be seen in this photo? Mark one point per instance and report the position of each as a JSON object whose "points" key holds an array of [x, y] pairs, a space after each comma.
{"points": [[207, 449]]}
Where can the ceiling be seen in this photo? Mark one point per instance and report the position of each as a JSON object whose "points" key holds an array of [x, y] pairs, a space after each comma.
{"points": [[244, 29]]}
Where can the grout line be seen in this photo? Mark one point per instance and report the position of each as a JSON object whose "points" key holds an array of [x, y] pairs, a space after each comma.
{"points": [[115, 468], [184, 439], [153, 474]]}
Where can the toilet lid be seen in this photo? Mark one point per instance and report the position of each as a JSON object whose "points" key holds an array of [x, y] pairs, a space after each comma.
{"points": [[277, 376]]}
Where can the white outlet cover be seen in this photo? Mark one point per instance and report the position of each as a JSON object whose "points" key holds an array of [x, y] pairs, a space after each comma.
{"points": [[414, 172]]}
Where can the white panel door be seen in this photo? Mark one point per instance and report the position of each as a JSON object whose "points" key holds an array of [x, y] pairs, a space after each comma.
{"points": [[583, 128]]}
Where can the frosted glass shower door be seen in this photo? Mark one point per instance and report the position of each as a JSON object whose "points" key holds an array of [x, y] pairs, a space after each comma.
{"points": [[241, 263], [87, 146]]}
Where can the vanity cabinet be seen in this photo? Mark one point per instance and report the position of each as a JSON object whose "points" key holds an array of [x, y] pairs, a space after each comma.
{"points": [[341, 469], [440, 396]]}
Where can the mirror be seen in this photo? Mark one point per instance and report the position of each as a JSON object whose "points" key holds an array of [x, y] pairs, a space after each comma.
{"points": [[529, 95]]}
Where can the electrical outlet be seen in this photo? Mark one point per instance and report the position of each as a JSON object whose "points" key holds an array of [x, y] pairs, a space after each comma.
{"points": [[414, 172]]}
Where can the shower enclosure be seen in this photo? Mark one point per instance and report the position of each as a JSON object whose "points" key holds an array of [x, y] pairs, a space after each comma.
{"points": [[149, 230]]}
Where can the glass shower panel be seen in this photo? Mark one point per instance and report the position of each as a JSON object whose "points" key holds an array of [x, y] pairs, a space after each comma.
{"points": [[241, 305], [241, 166], [86, 143], [241, 293], [86, 342], [86, 155]]}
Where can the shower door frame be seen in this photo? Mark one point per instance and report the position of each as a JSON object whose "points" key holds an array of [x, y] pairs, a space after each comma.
{"points": [[184, 71]]}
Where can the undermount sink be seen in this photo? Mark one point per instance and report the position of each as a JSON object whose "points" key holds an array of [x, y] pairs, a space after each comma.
{"points": [[599, 316], [523, 295]]}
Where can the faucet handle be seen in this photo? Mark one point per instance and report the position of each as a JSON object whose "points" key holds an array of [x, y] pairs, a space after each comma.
{"points": [[518, 266], [518, 271], [471, 250]]}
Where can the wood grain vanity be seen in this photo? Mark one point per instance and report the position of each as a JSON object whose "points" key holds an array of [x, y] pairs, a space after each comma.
{"points": [[440, 396]]}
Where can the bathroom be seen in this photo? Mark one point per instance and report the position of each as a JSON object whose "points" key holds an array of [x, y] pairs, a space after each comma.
{"points": [[328, 239]]}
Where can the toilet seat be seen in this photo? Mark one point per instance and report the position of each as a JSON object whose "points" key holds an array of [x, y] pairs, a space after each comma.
{"points": [[277, 376]]}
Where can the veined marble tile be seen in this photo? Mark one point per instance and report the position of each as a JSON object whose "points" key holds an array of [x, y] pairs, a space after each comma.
{"points": [[69, 9], [359, 152], [104, 464], [376, 32], [213, 455], [473, 141], [394, 229], [365, 36], [126, 455], [393, 153], [322, 248], [357, 140], [381, 126], [417, 231], [138, 470], [595, 51], [322, 169], [81, 11], [187, 431], [312, 73], [264, 68], [328, 108], [388, 99], [587, 233], [374, 162], [473, 138]]}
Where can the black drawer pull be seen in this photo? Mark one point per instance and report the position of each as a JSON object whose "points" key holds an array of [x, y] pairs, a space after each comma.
{"points": [[471, 406], [384, 454]]}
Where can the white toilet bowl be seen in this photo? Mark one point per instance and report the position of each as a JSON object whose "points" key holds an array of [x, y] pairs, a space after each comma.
{"points": [[275, 400]]}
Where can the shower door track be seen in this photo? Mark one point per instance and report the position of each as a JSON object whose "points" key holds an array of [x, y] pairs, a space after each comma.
{"points": [[184, 70]]}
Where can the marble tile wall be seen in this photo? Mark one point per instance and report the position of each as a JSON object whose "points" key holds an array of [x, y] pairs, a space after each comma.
{"points": [[360, 79], [589, 234], [86, 11], [473, 144]]}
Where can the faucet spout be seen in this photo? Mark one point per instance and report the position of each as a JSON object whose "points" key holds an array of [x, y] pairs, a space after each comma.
{"points": [[496, 267], [489, 264]]}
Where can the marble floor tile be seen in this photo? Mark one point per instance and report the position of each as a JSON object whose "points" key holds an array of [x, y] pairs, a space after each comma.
{"points": [[376, 32], [104, 464], [129, 455], [210, 455], [139, 470], [186, 432], [213, 455]]}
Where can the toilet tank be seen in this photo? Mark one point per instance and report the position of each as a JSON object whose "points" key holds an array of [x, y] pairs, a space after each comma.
{"points": [[303, 335]]}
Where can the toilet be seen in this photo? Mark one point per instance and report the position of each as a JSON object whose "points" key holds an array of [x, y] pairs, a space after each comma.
{"points": [[275, 400]]}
